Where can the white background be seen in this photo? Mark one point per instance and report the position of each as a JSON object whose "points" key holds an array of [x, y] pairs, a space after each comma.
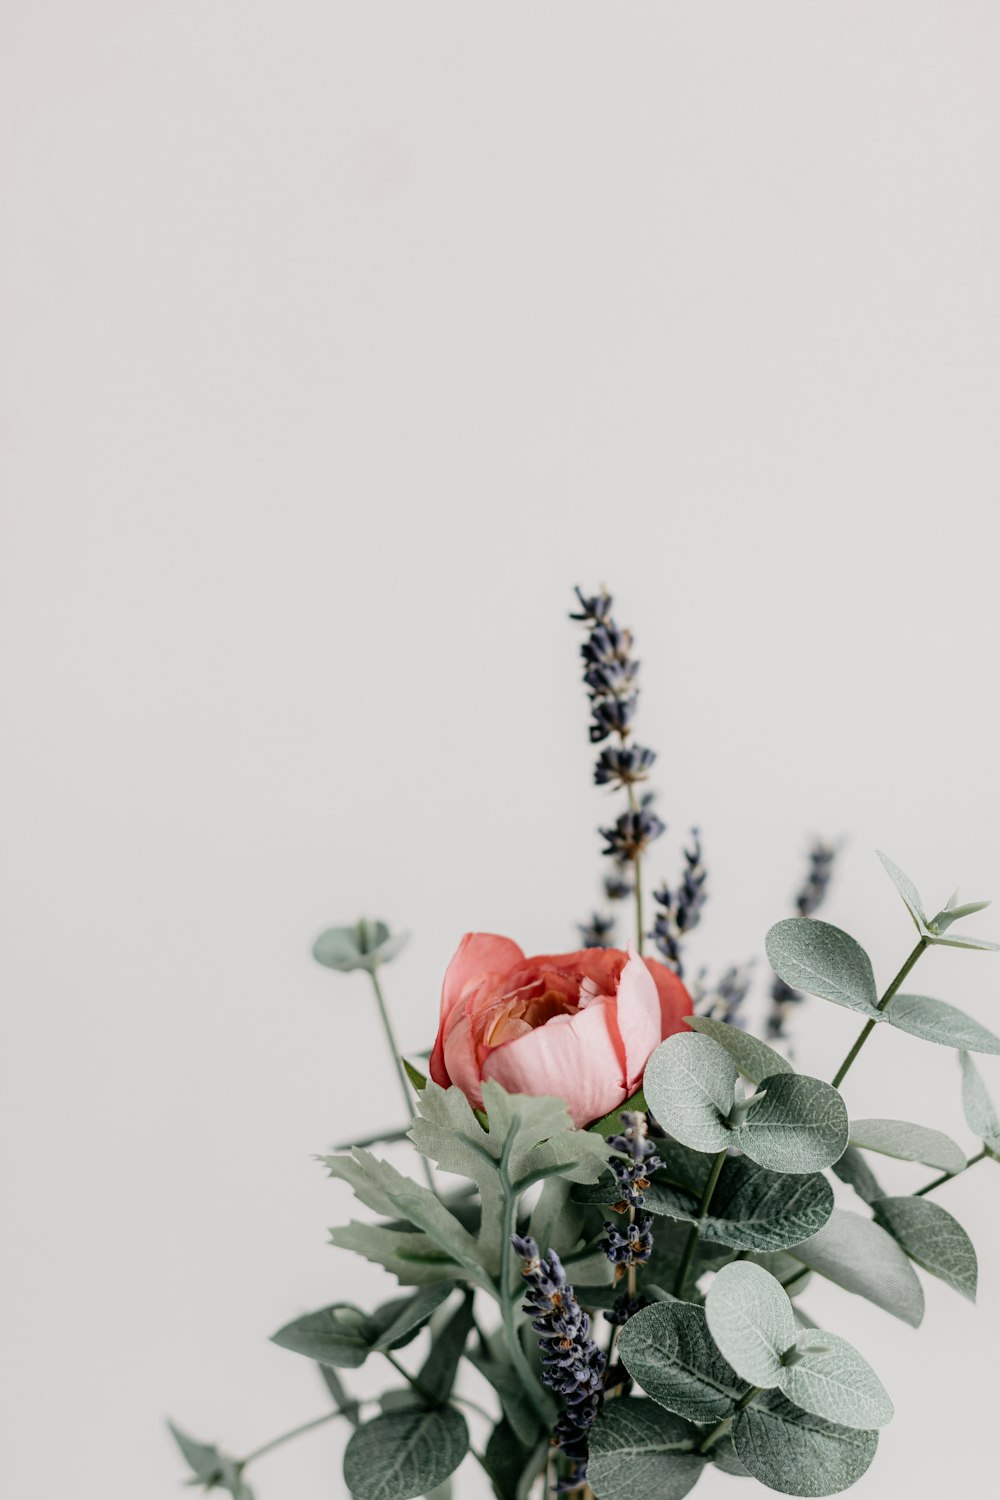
{"points": [[339, 342]]}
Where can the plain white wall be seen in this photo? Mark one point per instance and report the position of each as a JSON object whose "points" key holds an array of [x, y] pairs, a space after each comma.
{"points": [[339, 341]]}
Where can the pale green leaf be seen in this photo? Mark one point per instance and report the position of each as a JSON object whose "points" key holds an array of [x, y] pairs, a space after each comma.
{"points": [[855, 1171], [908, 1142], [668, 1350], [364, 946], [413, 1258], [340, 1335], [401, 1320], [750, 1318], [556, 1219], [404, 1454], [907, 890], [636, 1449], [863, 1258], [795, 1124], [933, 1238], [796, 1453], [980, 1112], [210, 1466], [755, 1059], [822, 960], [831, 1379], [934, 1021], [752, 1208], [690, 1083]]}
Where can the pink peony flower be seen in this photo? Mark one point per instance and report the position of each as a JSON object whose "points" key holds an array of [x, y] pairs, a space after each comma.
{"points": [[580, 1025]]}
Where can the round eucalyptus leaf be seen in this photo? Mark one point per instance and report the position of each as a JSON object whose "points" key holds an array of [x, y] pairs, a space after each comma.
{"points": [[908, 1142], [795, 1124], [755, 1059], [364, 946], [405, 1453], [636, 1449], [796, 1453], [934, 1021], [690, 1085], [339, 1335], [831, 1379], [933, 1238], [751, 1320], [669, 1351], [822, 960], [752, 1208], [862, 1257], [980, 1112]]}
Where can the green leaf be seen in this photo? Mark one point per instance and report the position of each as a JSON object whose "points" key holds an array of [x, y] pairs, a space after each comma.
{"points": [[863, 1258], [401, 1320], [908, 891], [795, 1124], [724, 1456], [799, 1454], [556, 1219], [755, 1059], [855, 1171], [364, 946], [527, 1417], [830, 1379], [418, 1079], [934, 1021], [636, 1450], [512, 1466], [611, 1123], [210, 1466], [750, 1318], [908, 1142], [752, 1208], [933, 1238], [667, 1348], [980, 1113], [343, 1402], [340, 1335], [405, 1454], [822, 960], [690, 1083], [953, 914], [437, 1374], [413, 1258]]}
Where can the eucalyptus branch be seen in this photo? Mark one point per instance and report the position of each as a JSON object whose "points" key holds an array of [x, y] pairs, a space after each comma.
{"points": [[404, 1086], [286, 1437], [721, 1428], [866, 1030], [692, 1240], [947, 1176]]}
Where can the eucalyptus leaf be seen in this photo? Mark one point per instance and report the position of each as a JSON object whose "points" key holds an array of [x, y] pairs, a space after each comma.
{"points": [[908, 1142], [934, 1021], [364, 946], [855, 1171], [908, 891], [797, 1453], [933, 1238], [980, 1112], [755, 1059], [724, 1456], [750, 1318], [638, 1449], [404, 1454], [831, 1379], [752, 1208], [511, 1465], [862, 1257], [668, 1350], [822, 960], [690, 1083], [936, 929], [437, 1374], [401, 1320], [527, 1417], [340, 1335], [795, 1124]]}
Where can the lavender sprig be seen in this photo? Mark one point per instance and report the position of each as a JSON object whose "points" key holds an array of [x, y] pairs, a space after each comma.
{"points": [[808, 899], [680, 909], [632, 1246], [724, 1000], [572, 1364]]}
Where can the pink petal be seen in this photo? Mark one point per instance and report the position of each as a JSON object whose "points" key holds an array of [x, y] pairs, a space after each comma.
{"points": [[478, 953], [675, 1002], [576, 1058], [461, 1065], [638, 1015]]}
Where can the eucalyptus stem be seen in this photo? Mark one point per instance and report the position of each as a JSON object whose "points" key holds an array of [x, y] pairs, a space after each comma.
{"points": [[866, 1030], [947, 1176], [723, 1427], [411, 1380], [404, 1085], [692, 1240], [286, 1437]]}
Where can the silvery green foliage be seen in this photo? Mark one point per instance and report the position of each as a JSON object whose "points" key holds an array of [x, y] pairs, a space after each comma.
{"points": [[908, 1142], [752, 1208], [792, 1451], [754, 1059], [862, 1257], [933, 1238], [406, 1453], [638, 1449], [211, 1468], [669, 1351], [364, 946], [936, 929], [980, 1112]]}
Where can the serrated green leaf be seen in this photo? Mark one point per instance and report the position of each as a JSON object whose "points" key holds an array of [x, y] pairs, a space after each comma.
{"points": [[863, 1258], [755, 1059], [934, 1021], [437, 1373], [796, 1453], [750, 1318], [668, 1350], [822, 960], [795, 1124], [413, 1258], [637, 1449], [752, 1208], [364, 946], [404, 1454], [855, 1171], [831, 1379], [908, 1142], [340, 1335], [908, 891], [401, 1320], [980, 1113], [933, 1238], [690, 1083]]}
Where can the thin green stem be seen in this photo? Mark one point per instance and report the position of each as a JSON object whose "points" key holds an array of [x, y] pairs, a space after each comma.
{"points": [[947, 1176], [507, 1293], [404, 1085], [286, 1437], [723, 1427], [868, 1027], [411, 1380], [684, 1268]]}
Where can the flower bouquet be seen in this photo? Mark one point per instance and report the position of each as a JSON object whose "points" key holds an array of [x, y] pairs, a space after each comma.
{"points": [[624, 1194]]}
